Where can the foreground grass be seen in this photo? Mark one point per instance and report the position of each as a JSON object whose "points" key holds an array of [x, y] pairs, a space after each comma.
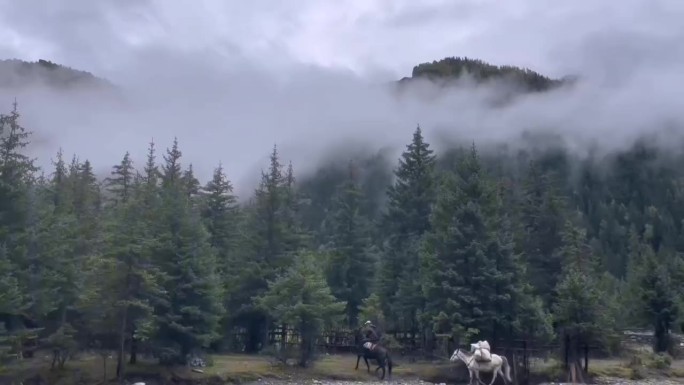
{"points": [[634, 368], [90, 369]]}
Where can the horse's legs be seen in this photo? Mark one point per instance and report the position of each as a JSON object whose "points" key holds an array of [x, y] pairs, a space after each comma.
{"points": [[479, 380], [365, 359], [495, 373], [381, 365], [503, 375], [358, 358]]}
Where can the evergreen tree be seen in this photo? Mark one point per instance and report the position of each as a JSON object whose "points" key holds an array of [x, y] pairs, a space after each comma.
{"points": [[16, 172], [457, 256], [542, 220], [301, 297], [222, 218], [579, 311], [190, 318], [122, 179], [55, 278], [268, 250], [151, 171], [268, 207], [407, 219], [351, 264], [133, 282], [657, 297], [171, 172], [517, 311], [11, 297], [220, 214], [192, 184]]}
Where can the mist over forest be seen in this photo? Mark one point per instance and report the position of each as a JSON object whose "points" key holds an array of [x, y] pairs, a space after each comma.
{"points": [[165, 204]]}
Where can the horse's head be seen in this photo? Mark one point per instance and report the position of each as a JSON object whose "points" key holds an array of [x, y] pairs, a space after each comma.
{"points": [[455, 356]]}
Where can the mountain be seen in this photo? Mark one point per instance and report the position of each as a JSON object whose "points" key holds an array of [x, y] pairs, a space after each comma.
{"points": [[15, 73], [446, 71]]}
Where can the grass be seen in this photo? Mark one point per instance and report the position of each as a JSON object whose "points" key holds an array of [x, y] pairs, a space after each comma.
{"points": [[634, 367], [89, 369]]}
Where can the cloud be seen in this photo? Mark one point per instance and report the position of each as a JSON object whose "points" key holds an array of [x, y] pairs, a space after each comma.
{"points": [[230, 79]]}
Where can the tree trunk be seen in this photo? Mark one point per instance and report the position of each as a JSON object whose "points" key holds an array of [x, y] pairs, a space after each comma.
{"points": [[283, 334], [120, 364], [661, 336], [104, 368], [253, 336], [305, 344], [134, 348]]}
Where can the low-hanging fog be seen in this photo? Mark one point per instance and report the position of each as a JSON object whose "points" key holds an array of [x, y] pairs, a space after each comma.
{"points": [[230, 81]]}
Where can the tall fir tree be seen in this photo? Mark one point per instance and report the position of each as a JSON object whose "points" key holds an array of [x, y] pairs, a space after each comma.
{"points": [[222, 218], [655, 299], [351, 264], [131, 281], [268, 249], [300, 296], [221, 215], [457, 259], [542, 216], [406, 221], [16, 175], [121, 182], [578, 310], [190, 318]]}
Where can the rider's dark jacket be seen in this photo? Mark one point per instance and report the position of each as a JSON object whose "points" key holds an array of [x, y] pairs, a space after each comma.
{"points": [[370, 334]]}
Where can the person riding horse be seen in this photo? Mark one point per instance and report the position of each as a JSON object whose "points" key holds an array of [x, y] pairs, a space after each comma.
{"points": [[370, 335], [371, 349]]}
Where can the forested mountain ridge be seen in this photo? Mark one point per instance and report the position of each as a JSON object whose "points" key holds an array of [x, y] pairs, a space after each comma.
{"points": [[446, 70], [18, 73], [537, 244], [15, 72]]}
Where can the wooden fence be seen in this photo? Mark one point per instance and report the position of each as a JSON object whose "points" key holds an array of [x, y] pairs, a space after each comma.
{"points": [[522, 355]]}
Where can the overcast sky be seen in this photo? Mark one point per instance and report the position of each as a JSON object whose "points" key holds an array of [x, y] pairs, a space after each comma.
{"points": [[231, 78]]}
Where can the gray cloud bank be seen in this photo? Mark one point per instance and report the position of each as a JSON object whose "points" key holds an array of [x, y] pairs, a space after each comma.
{"points": [[234, 109]]}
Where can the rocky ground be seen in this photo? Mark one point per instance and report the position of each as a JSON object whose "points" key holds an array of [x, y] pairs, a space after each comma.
{"points": [[654, 381], [325, 382], [602, 381]]}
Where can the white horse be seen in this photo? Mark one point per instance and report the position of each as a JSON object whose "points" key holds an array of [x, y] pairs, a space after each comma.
{"points": [[497, 365]]}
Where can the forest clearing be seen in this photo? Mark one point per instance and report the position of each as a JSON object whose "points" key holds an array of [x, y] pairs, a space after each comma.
{"points": [[91, 368]]}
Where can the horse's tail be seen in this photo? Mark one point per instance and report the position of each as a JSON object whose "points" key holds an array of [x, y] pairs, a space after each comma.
{"points": [[389, 365], [507, 369]]}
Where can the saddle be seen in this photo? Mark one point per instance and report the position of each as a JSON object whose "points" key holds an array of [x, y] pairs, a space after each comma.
{"points": [[370, 346]]}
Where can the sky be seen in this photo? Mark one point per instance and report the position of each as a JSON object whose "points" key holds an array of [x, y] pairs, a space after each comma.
{"points": [[232, 78]]}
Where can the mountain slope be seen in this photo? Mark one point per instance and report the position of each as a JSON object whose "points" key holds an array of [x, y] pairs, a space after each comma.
{"points": [[15, 73], [447, 70]]}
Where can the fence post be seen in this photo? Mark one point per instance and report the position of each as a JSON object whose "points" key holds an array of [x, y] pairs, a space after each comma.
{"points": [[526, 362], [566, 356], [586, 358]]}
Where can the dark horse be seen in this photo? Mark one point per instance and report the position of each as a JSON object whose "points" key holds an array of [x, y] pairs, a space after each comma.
{"points": [[377, 353]]}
